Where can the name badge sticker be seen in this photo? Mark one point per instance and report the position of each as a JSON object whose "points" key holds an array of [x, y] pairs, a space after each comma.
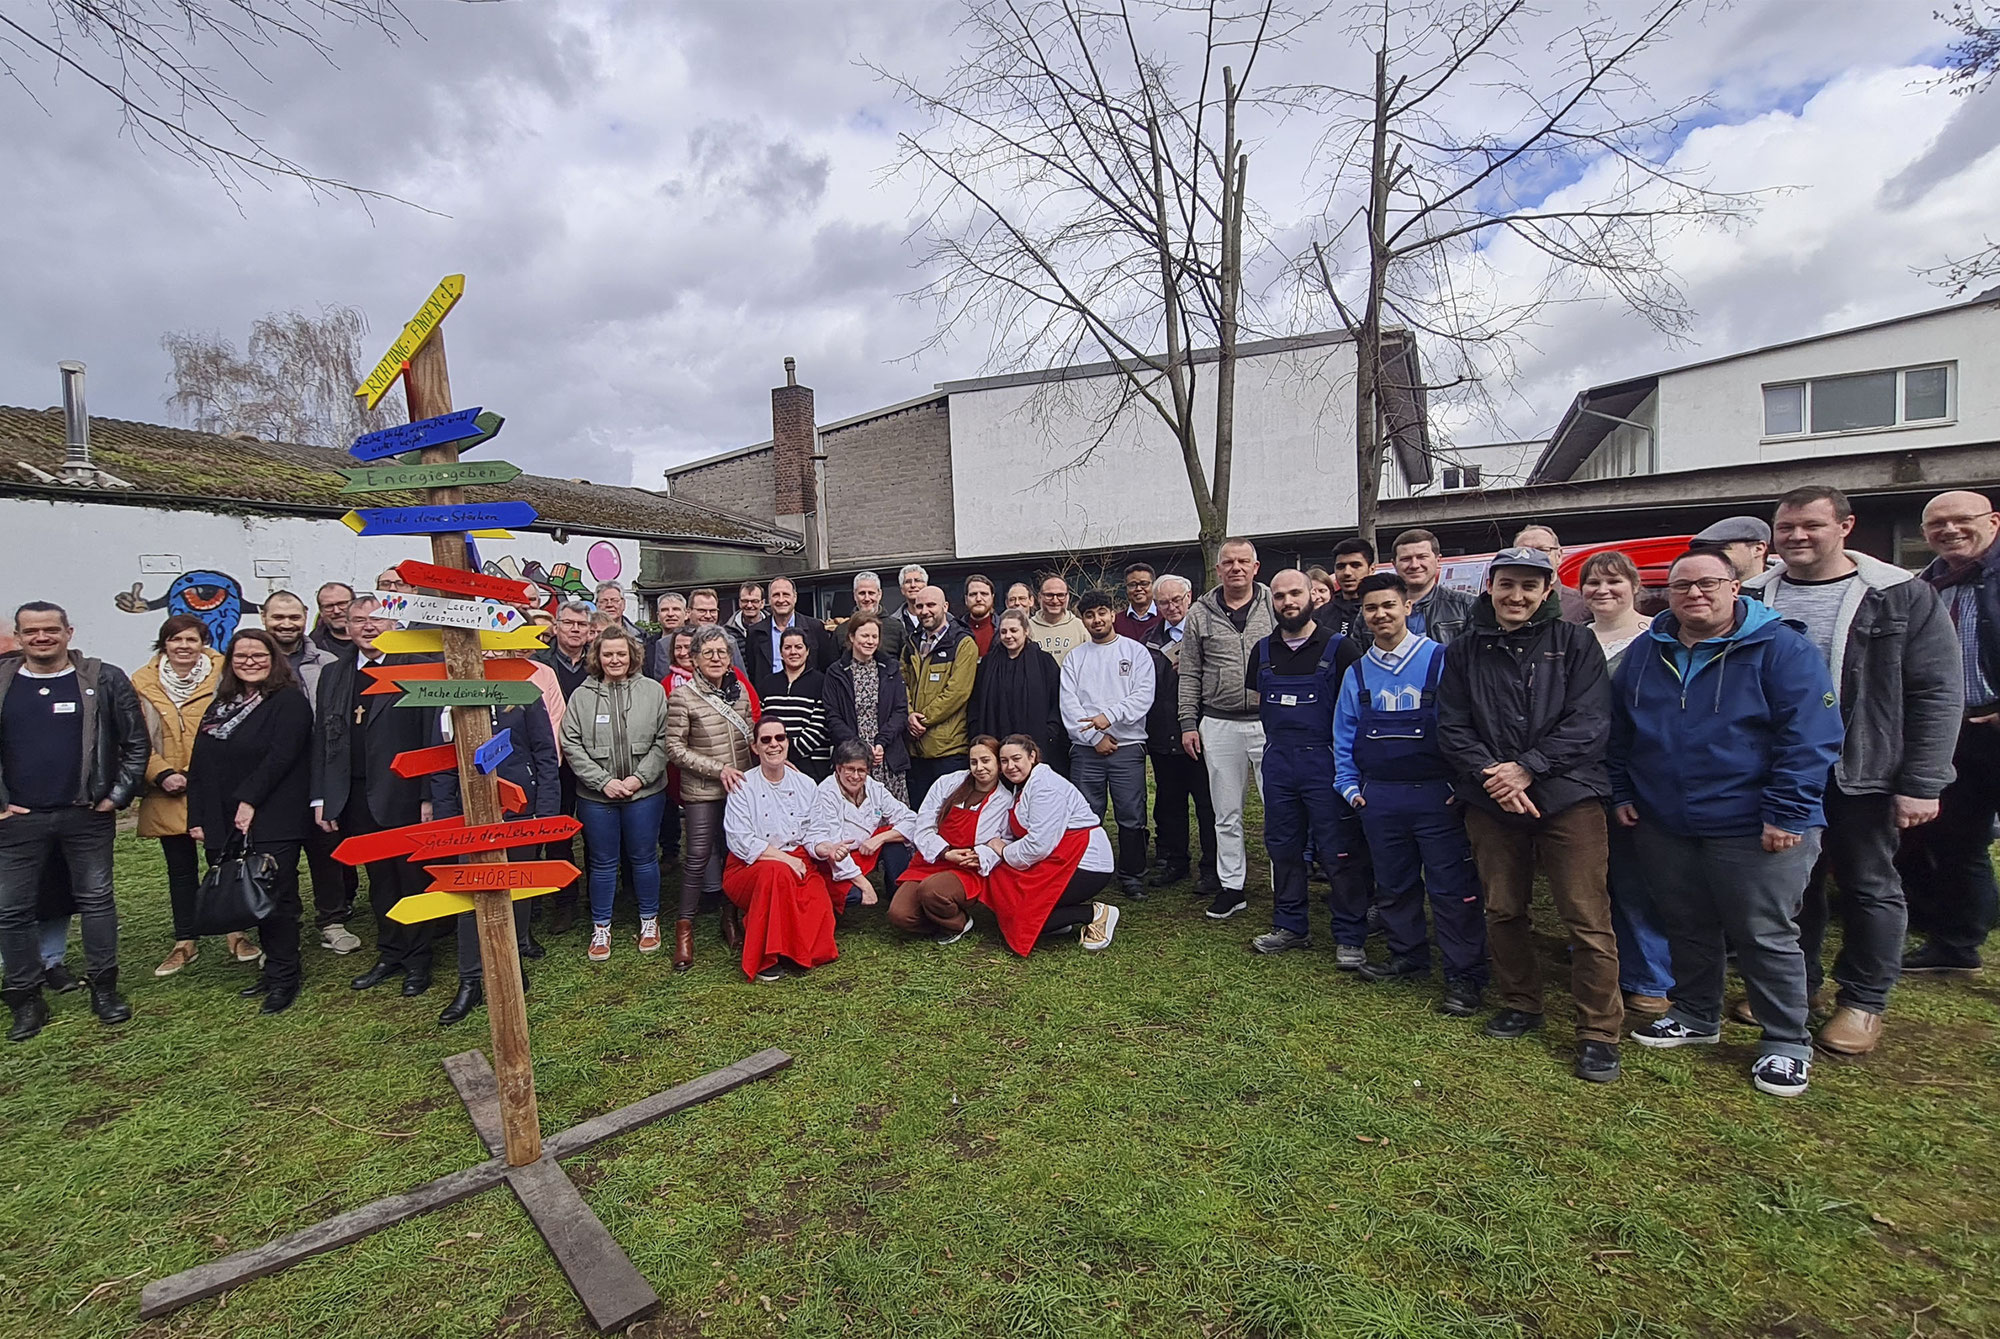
{"points": [[1288, 700], [604, 720], [64, 708], [935, 676]]}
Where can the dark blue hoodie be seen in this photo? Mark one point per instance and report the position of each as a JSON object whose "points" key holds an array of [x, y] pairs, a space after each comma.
{"points": [[1718, 739]]}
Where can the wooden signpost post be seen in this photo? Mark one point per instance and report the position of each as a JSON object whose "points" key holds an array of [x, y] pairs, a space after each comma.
{"points": [[499, 1098]]}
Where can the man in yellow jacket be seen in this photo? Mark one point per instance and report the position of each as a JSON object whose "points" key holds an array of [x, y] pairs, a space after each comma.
{"points": [[939, 665]]}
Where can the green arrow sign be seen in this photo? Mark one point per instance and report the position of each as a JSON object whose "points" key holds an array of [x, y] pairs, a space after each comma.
{"points": [[390, 478], [468, 693]]}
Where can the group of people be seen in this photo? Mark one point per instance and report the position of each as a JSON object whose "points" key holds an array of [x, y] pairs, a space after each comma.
{"points": [[1689, 783]]}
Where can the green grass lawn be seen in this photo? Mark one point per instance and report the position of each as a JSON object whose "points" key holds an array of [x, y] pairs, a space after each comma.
{"points": [[1173, 1137]]}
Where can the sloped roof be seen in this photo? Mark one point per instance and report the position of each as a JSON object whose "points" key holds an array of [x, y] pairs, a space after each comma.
{"points": [[167, 465]]}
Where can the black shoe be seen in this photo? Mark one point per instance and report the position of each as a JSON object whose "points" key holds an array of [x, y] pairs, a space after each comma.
{"points": [[1318, 874], [471, 994], [1398, 968], [1461, 999], [105, 1001], [1512, 1024], [1208, 885], [59, 979], [279, 999], [416, 982], [532, 951], [1596, 1061], [1935, 957], [30, 1012], [254, 989], [1228, 901], [376, 975], [1374, 920], [1132, 886], [1166, 876]]}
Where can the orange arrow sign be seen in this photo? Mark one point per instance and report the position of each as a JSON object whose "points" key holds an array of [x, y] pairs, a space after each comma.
{"points": [[388, 676], [391, 842], [422, 762], [500, 878], [499, 836]]}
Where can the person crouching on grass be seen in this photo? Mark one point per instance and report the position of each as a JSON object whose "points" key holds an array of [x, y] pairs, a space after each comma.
{"points": [[770, 875], [1057, 861], [960, 818], [854, 817]]}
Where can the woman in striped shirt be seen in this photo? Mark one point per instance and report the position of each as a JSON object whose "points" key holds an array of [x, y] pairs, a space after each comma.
{"points": [[796, 695]]}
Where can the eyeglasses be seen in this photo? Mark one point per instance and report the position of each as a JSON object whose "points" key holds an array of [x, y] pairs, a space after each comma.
{"points": [[1706, 585], [773, 739], [333, 607], [248, 661]]}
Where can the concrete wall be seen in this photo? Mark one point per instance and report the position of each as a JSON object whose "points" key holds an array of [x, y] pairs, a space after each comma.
{"points": [[120, 570], [889, 486], [741, 484], [1714, 415], [1036, 468]]}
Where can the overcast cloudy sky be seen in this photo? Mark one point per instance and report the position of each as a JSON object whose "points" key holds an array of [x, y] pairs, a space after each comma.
{"points": [[654, 203]]}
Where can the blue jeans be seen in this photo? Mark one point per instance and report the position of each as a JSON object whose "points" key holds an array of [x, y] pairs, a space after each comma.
{"points": [[55, 941], [1644, 964], [627, 830]]}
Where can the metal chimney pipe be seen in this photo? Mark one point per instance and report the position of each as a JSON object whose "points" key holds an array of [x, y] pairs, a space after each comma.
{"points": [[76, 420], [791, 370]]}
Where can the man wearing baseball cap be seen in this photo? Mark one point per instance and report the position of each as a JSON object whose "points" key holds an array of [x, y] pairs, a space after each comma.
{"points": [[1524, 711], [1743, 541]]}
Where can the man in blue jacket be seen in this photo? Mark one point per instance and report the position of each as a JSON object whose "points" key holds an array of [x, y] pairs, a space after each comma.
{"points": [[1725, 726]]}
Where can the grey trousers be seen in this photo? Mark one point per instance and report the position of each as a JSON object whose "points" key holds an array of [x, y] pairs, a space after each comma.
{"points": [[1708, 889], [471, 966], [1859, 856]]}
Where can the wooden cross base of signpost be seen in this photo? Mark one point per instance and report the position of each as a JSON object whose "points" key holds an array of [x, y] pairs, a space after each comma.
{"points": [[611, 1290]]}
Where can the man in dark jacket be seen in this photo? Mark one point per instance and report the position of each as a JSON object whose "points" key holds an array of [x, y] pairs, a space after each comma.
{"points": [[1353, 562], [1890, 645], [1436, 611], [1947, 865], [73, 750], [1724, 729], [1524, 707], [760, 639], [356, 736], [1177, 778]]}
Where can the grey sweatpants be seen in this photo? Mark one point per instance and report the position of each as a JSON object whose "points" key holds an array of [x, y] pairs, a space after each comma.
{"points": [[1711, 889]]}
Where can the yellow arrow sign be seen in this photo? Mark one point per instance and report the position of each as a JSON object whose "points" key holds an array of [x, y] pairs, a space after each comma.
{"points": [[442, 299], [405, 641], [433, 906]]}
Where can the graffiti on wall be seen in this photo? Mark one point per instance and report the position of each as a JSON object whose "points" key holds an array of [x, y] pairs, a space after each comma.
{"points": [[553, 585], [216, 598]]}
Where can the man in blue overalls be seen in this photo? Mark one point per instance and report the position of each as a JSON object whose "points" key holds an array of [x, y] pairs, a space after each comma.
{"points": [[1389, 766], [1294, 674]]}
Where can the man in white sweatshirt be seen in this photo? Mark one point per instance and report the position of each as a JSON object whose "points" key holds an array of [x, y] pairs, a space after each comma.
{"points": [[1107, 689]]}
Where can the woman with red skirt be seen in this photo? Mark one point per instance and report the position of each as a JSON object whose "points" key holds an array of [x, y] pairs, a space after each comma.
{"points": [[1056, 860], [962, 813], [854, 817], [786, 904]]}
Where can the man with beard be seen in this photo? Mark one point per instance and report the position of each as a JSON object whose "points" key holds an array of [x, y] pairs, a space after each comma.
{"points": [[979, 610]]}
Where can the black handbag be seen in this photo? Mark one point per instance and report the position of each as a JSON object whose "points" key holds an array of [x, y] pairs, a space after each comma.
{"points": [[236, 893]]}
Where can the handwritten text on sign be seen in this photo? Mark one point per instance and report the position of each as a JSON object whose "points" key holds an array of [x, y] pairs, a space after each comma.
{"points": [[478, 585], [443, 474], [468, 693], [515, 874], [430, 611], [498, 837], [494, 751], [439, 520], [442, 299], [458, 426]]}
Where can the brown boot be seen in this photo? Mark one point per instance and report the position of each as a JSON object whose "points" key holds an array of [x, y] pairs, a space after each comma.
{"points": [[1653, 1005], [683, 945], [732, 927], [1851, 1031], [1739, 1012]]}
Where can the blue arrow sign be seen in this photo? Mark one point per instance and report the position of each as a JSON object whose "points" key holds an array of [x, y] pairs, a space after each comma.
{"points": [[440, 520], [445, 428], [494, 751]]}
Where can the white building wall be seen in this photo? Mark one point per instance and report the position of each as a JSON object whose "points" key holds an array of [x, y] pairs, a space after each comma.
{"points": [[109, 566], [1017, 484], [1714, 415]]}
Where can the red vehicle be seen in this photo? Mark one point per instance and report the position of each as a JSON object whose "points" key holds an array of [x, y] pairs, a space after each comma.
{"points": [[1467, 572]]}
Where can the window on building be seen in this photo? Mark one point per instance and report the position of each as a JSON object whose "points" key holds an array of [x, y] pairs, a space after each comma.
{"points": [[1858, 402]]}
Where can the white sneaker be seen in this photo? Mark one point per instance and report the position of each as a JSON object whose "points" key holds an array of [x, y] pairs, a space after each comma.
{"points": [[1780, 1075], [1349, 958], [1103, 925], [944, 937], [339, 938], [600, 943]]}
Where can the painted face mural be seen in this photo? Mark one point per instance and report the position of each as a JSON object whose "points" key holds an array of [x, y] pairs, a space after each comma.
{"points": [[216, 598]]}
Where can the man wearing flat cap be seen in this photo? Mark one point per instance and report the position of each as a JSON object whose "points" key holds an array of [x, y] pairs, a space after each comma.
{"points": [[1743, 541]]}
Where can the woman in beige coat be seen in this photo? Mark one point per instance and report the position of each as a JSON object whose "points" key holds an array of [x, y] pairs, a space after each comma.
{"points": [[175, 688], [711, 720]]}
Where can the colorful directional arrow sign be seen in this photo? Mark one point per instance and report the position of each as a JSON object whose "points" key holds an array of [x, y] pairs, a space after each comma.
{"points": [[474, 516], [444, 758], [468, 693], [477, 585], [391, 678], [391, 843], [498, 837], [499, 878], [417, 641], [444, 474], [433, 906], [433, 612], [494, 752], [460, 425], [442, 299]]}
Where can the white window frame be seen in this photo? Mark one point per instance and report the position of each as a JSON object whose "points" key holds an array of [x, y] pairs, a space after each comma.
{"points": [[1901, 424]]}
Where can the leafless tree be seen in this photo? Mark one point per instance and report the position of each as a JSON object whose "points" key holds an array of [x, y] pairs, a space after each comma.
{"points": [[1971, 63], [294, 383], [1086, 180], [1574, 164], [157, 61]]}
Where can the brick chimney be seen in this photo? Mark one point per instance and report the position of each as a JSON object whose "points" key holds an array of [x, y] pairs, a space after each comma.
{"points": [[792, 432]]}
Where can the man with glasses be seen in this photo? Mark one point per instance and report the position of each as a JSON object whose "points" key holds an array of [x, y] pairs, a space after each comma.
{"points": [[569, 659], [330, 633], [1542, 539], [1140, 615], [1945, 864], [1725, 727]]}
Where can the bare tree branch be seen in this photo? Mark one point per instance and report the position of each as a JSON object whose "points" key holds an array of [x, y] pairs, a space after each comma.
{"points": [[294, 383]]}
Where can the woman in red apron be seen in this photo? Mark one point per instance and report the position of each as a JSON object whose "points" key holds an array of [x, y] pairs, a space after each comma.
{"points": [[783, 895], [963, 812], [854, 816], [1056, 862]]}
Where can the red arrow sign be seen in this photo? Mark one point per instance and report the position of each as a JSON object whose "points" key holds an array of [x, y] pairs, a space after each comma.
{"points": [[388, 676], [391, 842], [501, 878], [422, 762], [477, 585], [498, 836]]}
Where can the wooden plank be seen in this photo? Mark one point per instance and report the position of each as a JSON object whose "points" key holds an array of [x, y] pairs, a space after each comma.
{"points": [[475, 585], [219, 1276], [391, 843], [391, 678], [416, 334], [500, 876], [480, 1091], [432, 520], [419, 907], [610, 1287], [467, 693], [431, 611], [646, 1110], [420, 433], [403, 641], [396, 478], [500, 836]]}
